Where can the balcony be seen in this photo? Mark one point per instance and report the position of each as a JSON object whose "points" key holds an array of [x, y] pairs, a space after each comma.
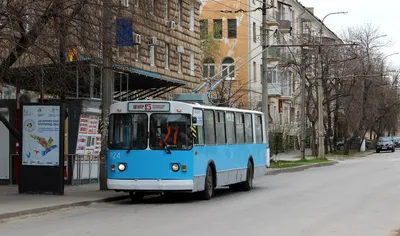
{"points": [[271, 18], [273, 54], [285, 26], [280, 83], [274, 89], [286, 92]]}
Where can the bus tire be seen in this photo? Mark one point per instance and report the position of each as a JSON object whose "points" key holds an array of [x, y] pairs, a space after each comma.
{"points": [[136, 197], [248, 184], [208, 192]]}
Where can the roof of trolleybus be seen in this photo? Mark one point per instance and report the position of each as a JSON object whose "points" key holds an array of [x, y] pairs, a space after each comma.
{"points": [[167, 106]]}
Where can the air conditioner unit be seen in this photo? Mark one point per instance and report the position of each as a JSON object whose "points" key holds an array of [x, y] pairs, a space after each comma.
{"points": [[180, 49], [171, 25], [153, 40], [137, 39]]}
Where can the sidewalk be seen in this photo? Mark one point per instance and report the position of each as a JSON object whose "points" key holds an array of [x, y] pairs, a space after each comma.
{"points": [[13, 204], [291, 155]]}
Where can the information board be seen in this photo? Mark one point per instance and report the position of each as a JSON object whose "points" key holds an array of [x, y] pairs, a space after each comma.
{"points": [[41, 135]]}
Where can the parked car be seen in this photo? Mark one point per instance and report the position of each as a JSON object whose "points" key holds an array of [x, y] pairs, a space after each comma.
{"points": [[354, 145], [385, 143], [396, 140]]}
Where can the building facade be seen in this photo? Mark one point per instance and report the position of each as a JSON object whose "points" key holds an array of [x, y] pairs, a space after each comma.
{"points": [[155, 51], [236, 25], [155, 42], [236, 31]]}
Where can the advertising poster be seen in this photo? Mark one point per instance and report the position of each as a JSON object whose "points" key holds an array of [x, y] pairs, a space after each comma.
{"points": [[40, 136], [89, 140]]}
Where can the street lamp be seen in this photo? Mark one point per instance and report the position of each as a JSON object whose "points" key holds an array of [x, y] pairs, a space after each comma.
{"points": [[383, 60], [321, 145]]}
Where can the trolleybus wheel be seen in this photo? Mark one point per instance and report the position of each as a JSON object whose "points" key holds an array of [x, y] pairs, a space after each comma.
{"points": [[136, 197], [208, 192], [248, 184]]}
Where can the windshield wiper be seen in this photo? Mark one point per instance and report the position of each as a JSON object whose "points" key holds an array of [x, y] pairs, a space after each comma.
{"points": [[130, 147], [166, 148]]}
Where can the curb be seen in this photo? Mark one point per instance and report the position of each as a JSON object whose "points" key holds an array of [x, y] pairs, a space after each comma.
{"points": [[300, 168], [40, 210]]}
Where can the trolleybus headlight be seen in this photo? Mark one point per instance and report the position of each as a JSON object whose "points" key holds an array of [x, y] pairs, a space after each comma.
{"points": [[121, 167], [175, 167]]}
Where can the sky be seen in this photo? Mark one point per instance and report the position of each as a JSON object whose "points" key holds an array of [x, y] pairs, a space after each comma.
{"points": [[382, 13]]}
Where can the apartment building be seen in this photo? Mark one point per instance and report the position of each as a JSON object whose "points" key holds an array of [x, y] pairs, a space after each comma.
{"points": [[293, 25], [237, 32], [155, 49]]}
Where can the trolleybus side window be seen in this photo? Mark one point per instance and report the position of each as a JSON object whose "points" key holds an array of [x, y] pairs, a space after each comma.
{"points": [[259, 129], [209, 127], [239, 128], [172, 130], [199, 126], [128, 131], [248, 124], [220, 127], [230, 128]]}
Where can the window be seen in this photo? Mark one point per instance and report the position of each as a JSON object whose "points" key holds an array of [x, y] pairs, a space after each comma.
{"points": [[230, 127], [228, 67], [259, 129], [240, 127], [191, 19], [166, 56], [179, 62], [171, 130], [248, 131], [137, 52], [217, 29], [203, 29], [179, 11], [254, 32], [128, 131], [166, 9], [306, 27], [208, 68], [199, 139], [209, 128], [125, 3], [220, 127], [232, 28], [191, 64], [254, 71], [136, 3], [153, 6], [152, 60]]}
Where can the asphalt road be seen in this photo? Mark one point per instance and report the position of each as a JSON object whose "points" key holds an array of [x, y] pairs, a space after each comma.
{"points": [[355, 197]]}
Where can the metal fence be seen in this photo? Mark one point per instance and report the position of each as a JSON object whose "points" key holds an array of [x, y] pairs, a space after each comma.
{"points": [[85, 168]]}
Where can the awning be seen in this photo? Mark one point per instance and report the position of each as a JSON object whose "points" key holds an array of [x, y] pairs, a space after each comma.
{"points": [[82, 79]]}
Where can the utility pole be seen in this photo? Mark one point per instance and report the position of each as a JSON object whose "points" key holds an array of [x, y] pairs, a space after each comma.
{"points": [[321, 136], [265, 40], [107, 89], [303, 106]]}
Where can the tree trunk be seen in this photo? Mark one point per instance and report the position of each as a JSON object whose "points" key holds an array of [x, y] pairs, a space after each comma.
{"points": [[347, 145], [336, 123], [313, 144]]}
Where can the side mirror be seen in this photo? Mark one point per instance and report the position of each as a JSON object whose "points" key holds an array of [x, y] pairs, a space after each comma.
{"points": [[194, 120]]}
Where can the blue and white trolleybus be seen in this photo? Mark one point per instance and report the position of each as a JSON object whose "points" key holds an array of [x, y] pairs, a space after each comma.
{"points": [[161, 146]]}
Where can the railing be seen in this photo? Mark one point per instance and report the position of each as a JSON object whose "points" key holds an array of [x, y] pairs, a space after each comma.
{"points": [[85, 168]]}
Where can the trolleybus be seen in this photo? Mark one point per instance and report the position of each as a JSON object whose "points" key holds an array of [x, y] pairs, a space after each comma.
{"points": [[165, 146]]}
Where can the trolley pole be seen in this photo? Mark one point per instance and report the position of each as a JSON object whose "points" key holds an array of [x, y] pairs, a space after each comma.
{"points": [[107, 89], [265, 39]]}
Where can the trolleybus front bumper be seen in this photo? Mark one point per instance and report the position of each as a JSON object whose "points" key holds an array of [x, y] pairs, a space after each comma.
{"points": [[150, 185]]}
